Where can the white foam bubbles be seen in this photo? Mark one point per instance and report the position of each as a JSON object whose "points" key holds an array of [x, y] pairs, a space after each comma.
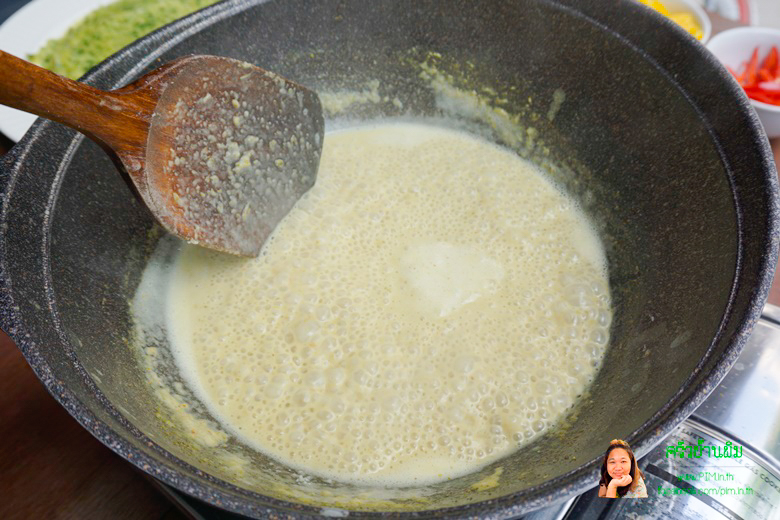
{"points": [[429, 306]]}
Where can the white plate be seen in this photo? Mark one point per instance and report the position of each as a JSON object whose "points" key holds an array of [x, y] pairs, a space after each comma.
{"points": [[26, 31]]}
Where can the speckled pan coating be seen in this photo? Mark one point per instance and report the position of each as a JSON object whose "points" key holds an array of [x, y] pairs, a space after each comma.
{"points": [[42, 229]]}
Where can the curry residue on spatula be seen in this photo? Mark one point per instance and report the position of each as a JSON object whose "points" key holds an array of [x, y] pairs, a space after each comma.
{"points": [[231, 149]]}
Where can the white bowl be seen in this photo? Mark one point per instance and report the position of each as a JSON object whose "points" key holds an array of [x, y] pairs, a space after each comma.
{"points": [[734, 47], [693, 7]]}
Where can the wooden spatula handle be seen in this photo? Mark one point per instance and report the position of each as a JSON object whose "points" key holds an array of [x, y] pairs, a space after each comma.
{"points": [[106, 117]]}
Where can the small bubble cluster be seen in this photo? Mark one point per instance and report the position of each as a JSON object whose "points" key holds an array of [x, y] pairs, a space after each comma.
{"points": [[332, 353]]}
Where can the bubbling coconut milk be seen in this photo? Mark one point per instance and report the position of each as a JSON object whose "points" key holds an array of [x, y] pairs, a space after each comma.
{"points": [[430, 306]]}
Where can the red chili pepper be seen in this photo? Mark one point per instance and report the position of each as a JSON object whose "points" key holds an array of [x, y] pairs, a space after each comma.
{"points": [[751, 73], [764, 96], [770, 63], [758, 96], [766, 99], [761, 83], [761, 90]]}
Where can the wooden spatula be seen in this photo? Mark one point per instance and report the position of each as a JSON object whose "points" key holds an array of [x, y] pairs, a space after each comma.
{"points": [[219, 150]]}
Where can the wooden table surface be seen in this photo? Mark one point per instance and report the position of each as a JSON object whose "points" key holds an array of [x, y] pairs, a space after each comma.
{"points": [[50, 467]]}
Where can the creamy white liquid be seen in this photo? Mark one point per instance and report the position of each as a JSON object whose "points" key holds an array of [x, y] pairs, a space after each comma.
{"points": [[432, 304]]}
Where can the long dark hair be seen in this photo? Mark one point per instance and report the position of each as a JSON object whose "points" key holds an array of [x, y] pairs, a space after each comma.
{"points": [[606, 479]]}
